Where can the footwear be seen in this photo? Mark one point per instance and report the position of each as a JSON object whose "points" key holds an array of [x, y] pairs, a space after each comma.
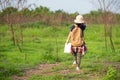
{"points": [[83, 53], [77, 68], [74, 63]]}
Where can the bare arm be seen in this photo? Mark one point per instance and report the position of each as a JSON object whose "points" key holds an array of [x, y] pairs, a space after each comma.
{"points": [[68, 38]]}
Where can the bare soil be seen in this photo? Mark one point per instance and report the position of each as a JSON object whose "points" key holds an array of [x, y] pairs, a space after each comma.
{"points": [[43, 69], [48, 69]]}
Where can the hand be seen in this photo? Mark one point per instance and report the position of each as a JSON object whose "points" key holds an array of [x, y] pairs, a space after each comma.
{"points": [[66, 42]]}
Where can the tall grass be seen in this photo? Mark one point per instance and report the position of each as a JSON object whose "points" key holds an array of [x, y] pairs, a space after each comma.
{"points": [[45, 45]]}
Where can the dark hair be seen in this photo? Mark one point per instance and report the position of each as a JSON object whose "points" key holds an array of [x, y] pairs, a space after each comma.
{"points": [[81, 25]]}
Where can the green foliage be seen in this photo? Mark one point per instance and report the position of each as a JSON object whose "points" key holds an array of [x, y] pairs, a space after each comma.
{"points": [[42, 9], [59, 11], [49, 54], [25, 11], [54, 77], [43, 15], [45, 44], [96, 13], [111, 74], [9, 10]]}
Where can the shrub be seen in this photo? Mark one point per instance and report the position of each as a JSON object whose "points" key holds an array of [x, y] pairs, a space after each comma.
{"points": [[111, 74]]}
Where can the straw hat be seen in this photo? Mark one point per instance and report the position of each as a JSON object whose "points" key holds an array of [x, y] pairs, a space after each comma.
{"points": [[79, 19]]}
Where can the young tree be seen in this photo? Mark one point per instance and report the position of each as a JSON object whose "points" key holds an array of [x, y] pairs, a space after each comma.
{"points": [[10, 12], [108, 7]]}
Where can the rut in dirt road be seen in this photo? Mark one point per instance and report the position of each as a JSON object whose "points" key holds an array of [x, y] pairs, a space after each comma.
{"points": [[43, 69]]}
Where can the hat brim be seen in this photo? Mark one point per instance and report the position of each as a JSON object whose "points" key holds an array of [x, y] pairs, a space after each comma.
{"points": [[76, 21]]}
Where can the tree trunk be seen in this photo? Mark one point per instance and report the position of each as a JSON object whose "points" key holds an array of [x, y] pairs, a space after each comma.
{"points": [[17, 43], [12, 33], [105, 36], [110, 36], [21, 34]]}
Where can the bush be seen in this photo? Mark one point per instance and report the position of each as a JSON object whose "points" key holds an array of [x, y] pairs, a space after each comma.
{"points": [[111, 74]]}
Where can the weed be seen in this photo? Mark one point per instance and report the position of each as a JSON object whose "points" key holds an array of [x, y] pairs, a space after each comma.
{"points": [[49, 77], [111, 74], [45, 44]]}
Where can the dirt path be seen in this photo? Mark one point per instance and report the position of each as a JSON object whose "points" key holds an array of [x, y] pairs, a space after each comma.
{"points": [[39, 70], [51, 69], [43, 69]]}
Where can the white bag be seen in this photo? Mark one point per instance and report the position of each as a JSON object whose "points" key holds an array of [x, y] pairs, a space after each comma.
{"points": [[67, 48]]}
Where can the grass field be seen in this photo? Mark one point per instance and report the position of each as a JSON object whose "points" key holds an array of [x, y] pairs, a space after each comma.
{"points": [[45, 44]]}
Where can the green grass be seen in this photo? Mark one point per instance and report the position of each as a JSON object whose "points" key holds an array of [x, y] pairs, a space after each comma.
{"points": [[54, 77], [46, 44]]}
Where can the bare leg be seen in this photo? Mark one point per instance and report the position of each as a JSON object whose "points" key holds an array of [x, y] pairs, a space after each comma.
{"points": [[79, 57], [75, 59]]}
